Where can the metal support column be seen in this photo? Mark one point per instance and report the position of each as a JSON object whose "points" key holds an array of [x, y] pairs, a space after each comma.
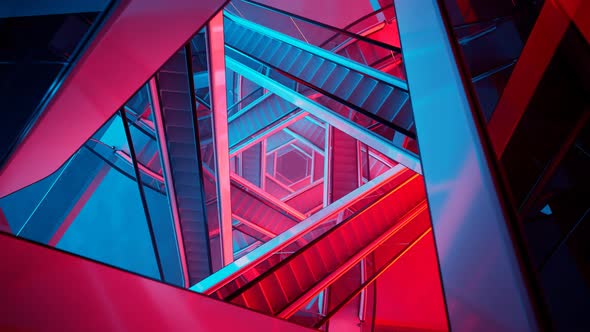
{"points": [[221, 142], [483, 279]]}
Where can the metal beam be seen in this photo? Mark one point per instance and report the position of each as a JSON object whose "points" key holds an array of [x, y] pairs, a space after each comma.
{"points": [[144, 203], [304, 140], [268, 198], [255, 227], [482, 278], [378, 143], [220, 132]]}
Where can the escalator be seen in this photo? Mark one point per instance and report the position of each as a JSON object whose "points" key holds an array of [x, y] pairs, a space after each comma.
{"points": [[343, 80], [398, 218], [181, 137], [257, 116]]}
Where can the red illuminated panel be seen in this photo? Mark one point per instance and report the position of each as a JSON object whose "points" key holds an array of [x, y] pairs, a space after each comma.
{"points": [[47, 290]]}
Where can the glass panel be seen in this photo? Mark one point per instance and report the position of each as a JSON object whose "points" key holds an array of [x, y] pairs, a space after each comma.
{"points": [[91, 206], [147, 153]]}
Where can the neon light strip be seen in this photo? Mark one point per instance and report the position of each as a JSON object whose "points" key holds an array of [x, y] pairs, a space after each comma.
{"points": [[340, 60], [376, 142], [217, 76]]}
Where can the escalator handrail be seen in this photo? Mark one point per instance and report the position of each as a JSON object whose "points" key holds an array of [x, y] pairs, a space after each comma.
{"points": [[372, 279]]}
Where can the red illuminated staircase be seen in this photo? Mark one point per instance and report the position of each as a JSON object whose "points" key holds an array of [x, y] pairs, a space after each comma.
{"points": [[394, 221]]}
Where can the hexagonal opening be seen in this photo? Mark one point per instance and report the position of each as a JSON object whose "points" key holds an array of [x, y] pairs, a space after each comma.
{"points": [[292, 165]]}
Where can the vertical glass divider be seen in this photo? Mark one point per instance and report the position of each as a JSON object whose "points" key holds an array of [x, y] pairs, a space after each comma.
{"points": [[142, 193]]}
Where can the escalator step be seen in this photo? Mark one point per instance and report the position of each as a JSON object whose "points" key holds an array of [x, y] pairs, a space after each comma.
{"points": [[278, 57], [392, 105], [269, 50], [292, 55], [363, 91], [299, 64], [323, 73], [333, 82], [348, 84], [378, 97], [311, 68]]}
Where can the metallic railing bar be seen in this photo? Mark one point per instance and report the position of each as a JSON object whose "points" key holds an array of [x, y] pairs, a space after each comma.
{"points": [[290, 119], [374, 277], [254, 226], [305, 140], [249, 107], [270, 200]]}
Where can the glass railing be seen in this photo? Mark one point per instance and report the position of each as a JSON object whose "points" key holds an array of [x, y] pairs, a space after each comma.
{"points": [[93, 206]]}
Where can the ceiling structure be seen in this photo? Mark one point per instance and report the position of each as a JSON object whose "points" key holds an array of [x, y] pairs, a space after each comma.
{"points": [[269, 158]]}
